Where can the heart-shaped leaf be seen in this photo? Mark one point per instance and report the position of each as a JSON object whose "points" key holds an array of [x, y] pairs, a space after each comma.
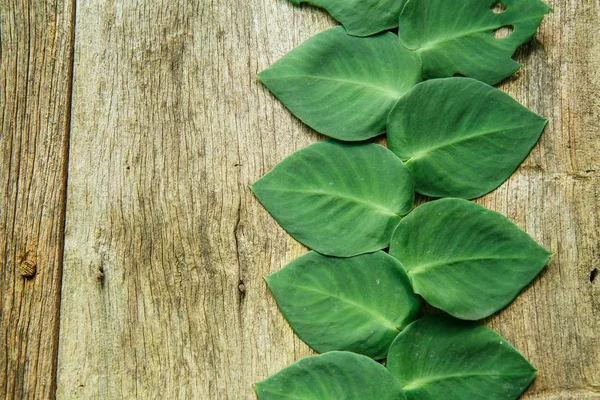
{"points": [[337, 375], [465, 259], [459, 37], [340, 199], [357, 304], [361, 17], [443, 358], [460, 137], [341, 85]]}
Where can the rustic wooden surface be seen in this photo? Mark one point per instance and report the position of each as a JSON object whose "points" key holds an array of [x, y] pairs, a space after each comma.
{"points": [[555, 197], [35, 77], [165, 247]]}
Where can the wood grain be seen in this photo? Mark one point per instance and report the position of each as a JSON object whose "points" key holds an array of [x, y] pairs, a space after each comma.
{"points": [[35, 79], [169, 128], [555, 197], [166, 248]]}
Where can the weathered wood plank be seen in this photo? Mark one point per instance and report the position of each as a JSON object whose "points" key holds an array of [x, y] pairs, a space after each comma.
{"points": [[35, 79], [169, 127], [555, 197]]}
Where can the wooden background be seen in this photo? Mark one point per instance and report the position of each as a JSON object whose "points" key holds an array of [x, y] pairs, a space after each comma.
{"points": [[130, 133]]}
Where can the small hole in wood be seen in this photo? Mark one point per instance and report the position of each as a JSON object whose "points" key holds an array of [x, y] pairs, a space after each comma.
{"points": [[593, 274], [242, 288], [504, 31], [100, 274], [498, 8]]}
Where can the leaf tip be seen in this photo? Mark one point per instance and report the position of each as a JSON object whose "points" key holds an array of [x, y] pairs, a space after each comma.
{"points": [[257, 388], [252, 186], [269, 279], [549, 10], [261, 76]]}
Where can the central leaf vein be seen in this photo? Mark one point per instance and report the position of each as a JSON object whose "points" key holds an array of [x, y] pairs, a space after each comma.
{"points": [[488, 28], [382, 318], [463, 139], [424, 381], [389, 92], [379, 207], [413, 269]]}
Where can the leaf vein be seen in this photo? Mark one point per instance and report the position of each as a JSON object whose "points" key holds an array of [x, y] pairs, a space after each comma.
{"points": [[488, 28], [464, 139], [424, 381], [376, 206], [427, 266], [391, 93], [380, 317]]}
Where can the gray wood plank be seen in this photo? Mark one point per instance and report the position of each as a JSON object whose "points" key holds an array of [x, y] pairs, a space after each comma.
{"points": [[169, 127]]}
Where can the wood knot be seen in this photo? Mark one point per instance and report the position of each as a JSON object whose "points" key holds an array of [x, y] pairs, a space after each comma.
{"points": [[26, 265], [242, 288]]}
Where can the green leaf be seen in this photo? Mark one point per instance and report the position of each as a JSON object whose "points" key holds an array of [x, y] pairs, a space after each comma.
{"points": [[443, 358], [458, 38], [465, 259], [340, 199], [357, 304], [336, 375], [361, 17], [344, 86], [460, 137]]}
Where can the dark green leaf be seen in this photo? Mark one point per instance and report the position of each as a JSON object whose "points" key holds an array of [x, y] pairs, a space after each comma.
{"points": [[458, 37], [357, 304], [339, 199], [443, 358], [344, 86], [362, 17], [336, 375], [460, 137], [465, 259]]}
